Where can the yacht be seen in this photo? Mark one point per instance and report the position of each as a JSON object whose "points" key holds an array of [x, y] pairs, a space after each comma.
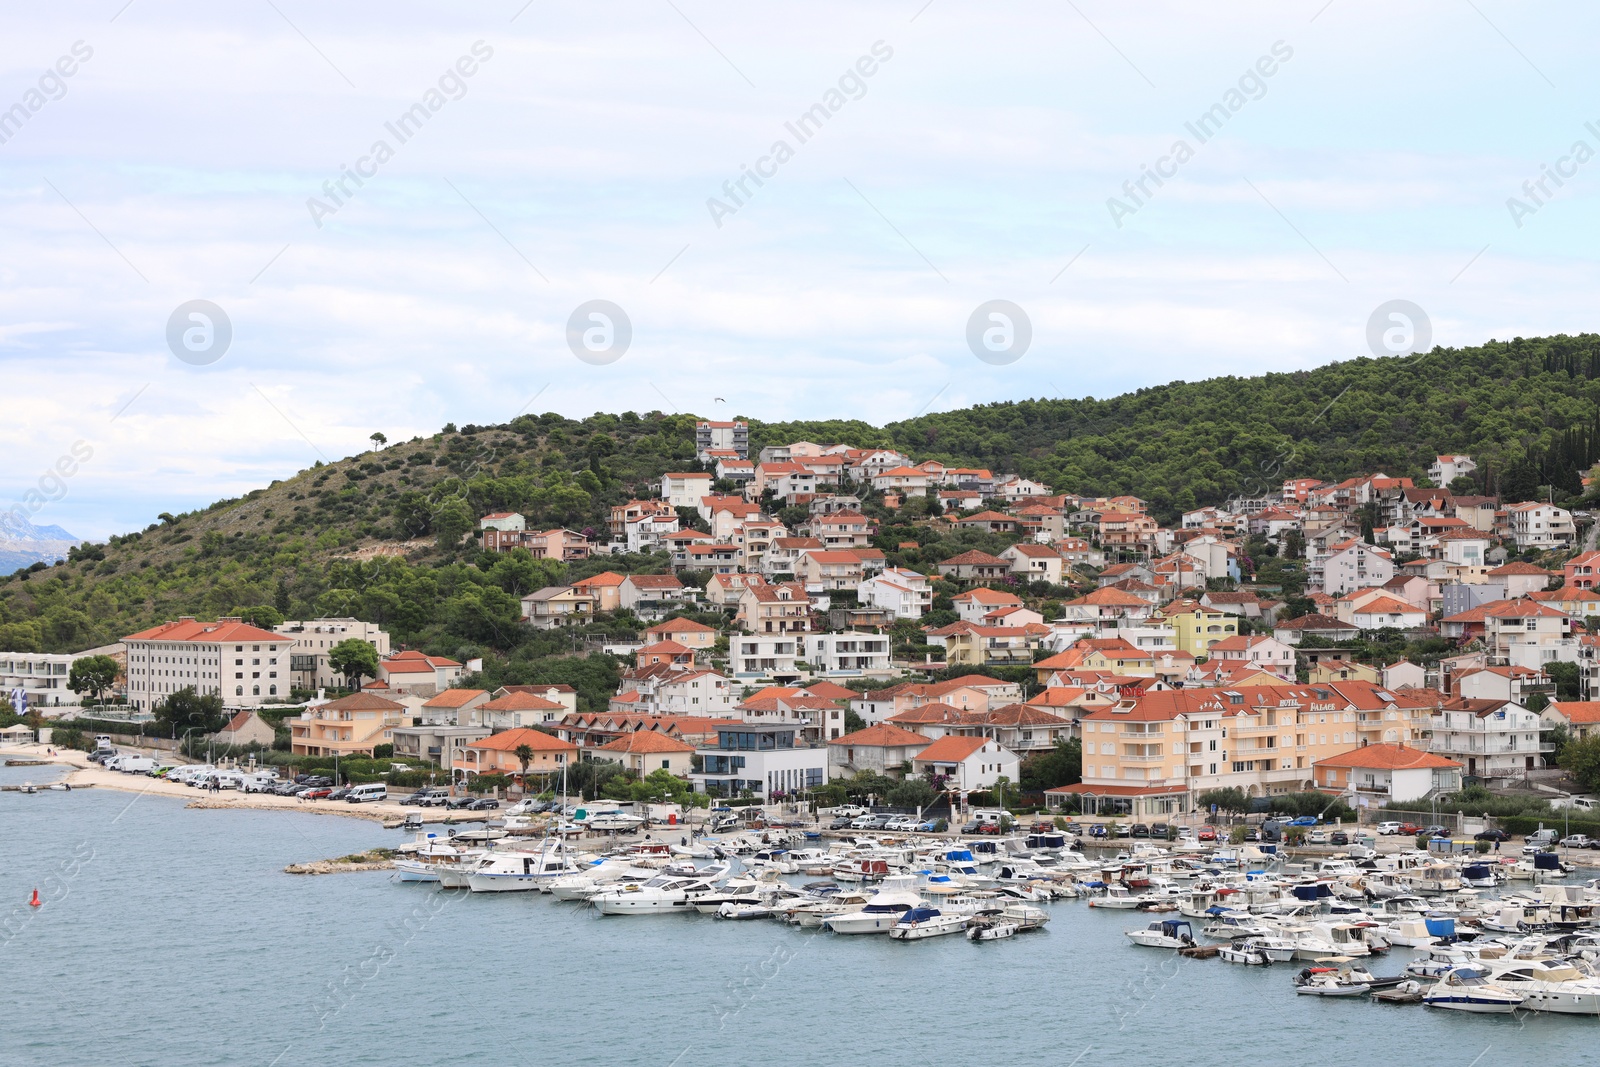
{"points": [[420, 860], [916, 924], [1248, 951], [665, 894], [1469, 989], [517, 870], [894, 898], [1564, 986]]}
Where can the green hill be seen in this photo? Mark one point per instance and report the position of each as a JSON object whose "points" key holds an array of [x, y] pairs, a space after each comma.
{"points": [[361, 536]]}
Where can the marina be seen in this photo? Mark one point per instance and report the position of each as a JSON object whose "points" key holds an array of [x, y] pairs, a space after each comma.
{"points": [[718, 987]]}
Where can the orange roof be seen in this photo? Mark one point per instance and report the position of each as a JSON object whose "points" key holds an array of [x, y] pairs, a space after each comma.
{"points": [[665, 648], [985, 595], [951, 748], [882, 735], [646, 741], [604, 579], [1576, 711], [238, 722], [455, 698], [362, 702], [831, 691], [522, 702], [680, 626], [1386, 756], [1385, 605], [220, 632], [511, 740]]}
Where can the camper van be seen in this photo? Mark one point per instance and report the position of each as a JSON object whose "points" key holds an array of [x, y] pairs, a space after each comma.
{"points": [[133, 764], [360, 794], [259, 782]]}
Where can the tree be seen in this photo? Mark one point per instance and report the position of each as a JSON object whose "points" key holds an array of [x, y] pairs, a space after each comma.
{"points": [[92, 674], [1229, 800], [355, 659], [1565, 675], [452, 519], [914, 793], [378, 440], [187, 710], [1060, 765], [524, 754], [1581, 759]]}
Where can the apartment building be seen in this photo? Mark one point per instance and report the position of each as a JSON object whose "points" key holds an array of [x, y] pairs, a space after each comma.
{"points": [[315, 638], [245, 665]]}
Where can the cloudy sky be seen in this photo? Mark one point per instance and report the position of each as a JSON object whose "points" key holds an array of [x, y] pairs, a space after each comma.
{"points": [[196, 151]]}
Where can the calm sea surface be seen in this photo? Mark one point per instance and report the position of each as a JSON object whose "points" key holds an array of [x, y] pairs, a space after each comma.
{"points": [[171, 937]]}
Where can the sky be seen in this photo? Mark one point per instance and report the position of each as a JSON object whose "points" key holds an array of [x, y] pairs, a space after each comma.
{"points": [[375, 272]]}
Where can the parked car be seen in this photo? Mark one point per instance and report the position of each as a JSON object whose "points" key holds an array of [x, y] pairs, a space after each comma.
{"points": [[1338, 837], [316, 792], [901, 824], [1317, 837], [989, 828], [927, 826], [1389, 829], [1578, 841], [850, 811], [1160, 830], [1409, 829], [1491, 835], [972, 827], [287, 789], [483, 804], [1206, 833], [1097, 830], [1123, 831], [839, 824], [1139, 829], [340, 793], [1436, 831], [863, 822], [458, 803], [1252, 835], [881, 822], [1303, 820], [1186, 833]]}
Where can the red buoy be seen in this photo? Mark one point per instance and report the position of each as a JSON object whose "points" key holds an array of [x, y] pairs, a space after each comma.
{"points": [[35, 902]]}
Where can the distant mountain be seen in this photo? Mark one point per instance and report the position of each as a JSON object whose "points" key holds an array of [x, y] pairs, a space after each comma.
{"points": [[22, 544]]}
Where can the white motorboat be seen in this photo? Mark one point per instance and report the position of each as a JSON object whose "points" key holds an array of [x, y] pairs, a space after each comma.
{"points": [[1409, 933], [1303, 942], [1229, 925], [1570, 988], [420, 860], [991, 931], [1164, 933], [1329, 982], [1024, 916], [596, 877], [896, 896], [1469, 989], [1248, 951], [516, 870], [813, 913], [665, 894], [917, 924]]}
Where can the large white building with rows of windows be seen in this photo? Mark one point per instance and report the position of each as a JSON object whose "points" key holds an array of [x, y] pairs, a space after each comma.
{"points": [[245, 665]]}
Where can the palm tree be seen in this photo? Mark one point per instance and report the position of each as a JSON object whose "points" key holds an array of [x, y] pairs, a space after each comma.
{"points": [[524, 754]]}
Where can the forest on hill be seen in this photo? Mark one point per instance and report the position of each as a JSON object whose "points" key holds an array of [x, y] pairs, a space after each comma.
{"points": [[383, 535]]}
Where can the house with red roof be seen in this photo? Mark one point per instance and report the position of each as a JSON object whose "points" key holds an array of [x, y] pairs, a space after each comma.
{"points": [[451, 706], [881, 749], [1385, 773], [686, 632], [416, 672], [977, 602], [964, 764], [1580, 718], [646, 751], [514, 710], [246, 728], [357, 723], [975, 566], [497, 754]]}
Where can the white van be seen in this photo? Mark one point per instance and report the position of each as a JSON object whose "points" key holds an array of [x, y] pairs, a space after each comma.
{"points": [[258, 783], [369, 791], [134, 764], [192, 773]]}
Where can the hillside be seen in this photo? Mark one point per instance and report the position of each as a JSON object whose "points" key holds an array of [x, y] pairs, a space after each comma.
{"points": [[360, 536]]}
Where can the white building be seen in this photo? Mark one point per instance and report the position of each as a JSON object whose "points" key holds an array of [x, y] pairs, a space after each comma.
{"points": [[848, 653], [1446, 469], [967, 763], [685, 490], [773, 656], [42, 677], [646, 531], [1489, 738], [1536, 525], [722, 437], [763, 759], [245, 665], [313, 640], [1352, 565], [905, 594]]}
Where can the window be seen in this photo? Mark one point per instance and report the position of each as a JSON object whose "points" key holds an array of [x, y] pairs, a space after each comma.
{"points": [[238, 690]]}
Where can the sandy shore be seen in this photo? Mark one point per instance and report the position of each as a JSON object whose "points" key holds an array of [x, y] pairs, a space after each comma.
{"points": [[86, 773]]}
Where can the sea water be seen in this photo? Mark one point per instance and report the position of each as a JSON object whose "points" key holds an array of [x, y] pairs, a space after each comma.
{"points": [[172, 936]]}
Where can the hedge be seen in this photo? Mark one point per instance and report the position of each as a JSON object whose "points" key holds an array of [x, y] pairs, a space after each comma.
{"points": [[1523, 825]]}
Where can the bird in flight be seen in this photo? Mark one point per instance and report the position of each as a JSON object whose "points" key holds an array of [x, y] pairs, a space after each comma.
{"points": [[719, 400]]}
